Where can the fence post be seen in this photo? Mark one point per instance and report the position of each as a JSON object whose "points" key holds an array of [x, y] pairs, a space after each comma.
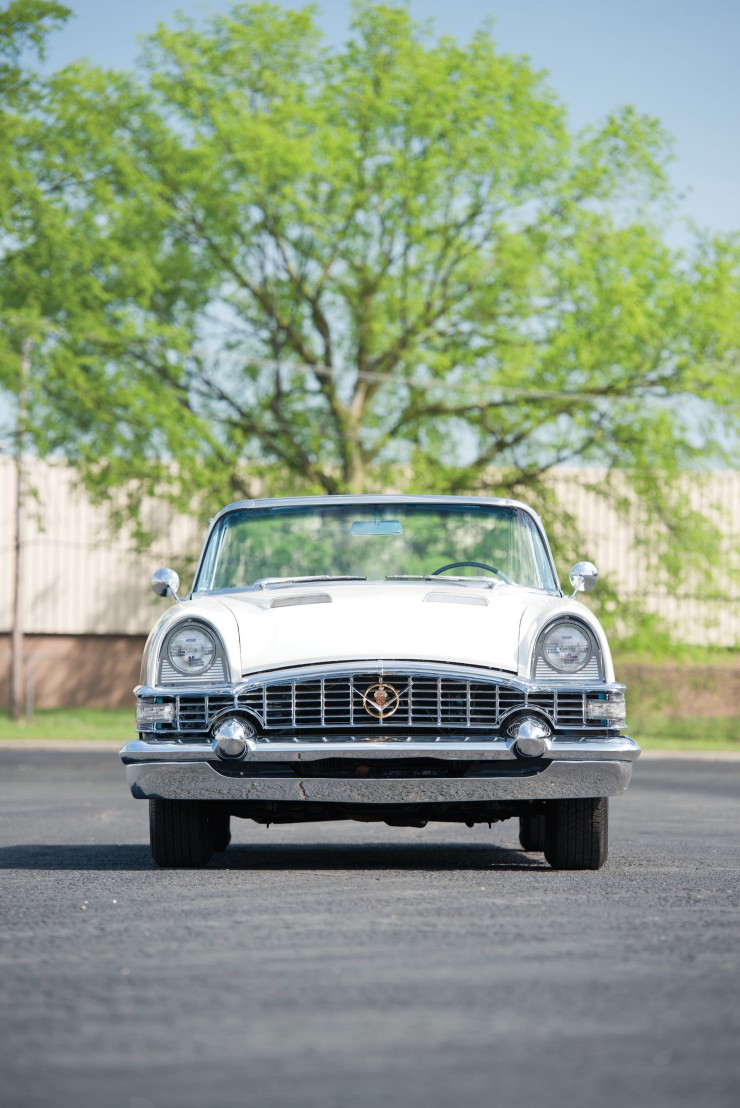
{"points": [[16, 645]]}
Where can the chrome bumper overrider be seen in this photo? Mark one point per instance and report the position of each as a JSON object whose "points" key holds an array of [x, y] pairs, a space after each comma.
{"points": [[573, 768]]}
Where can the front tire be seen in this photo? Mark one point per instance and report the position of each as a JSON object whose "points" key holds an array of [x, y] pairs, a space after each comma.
{"points": [[180, 834], [577, 833], [532, 832]]}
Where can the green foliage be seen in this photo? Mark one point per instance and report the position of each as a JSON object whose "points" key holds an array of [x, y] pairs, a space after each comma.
{"points": [[32, 228], [25, 25], [265, 266]]}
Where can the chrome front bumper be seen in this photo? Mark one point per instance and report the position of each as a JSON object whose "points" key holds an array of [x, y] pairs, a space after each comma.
{"points": [[578, 767]]}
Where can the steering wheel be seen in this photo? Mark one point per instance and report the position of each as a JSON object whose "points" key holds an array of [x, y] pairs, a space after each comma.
{"points": [[476, 565]]}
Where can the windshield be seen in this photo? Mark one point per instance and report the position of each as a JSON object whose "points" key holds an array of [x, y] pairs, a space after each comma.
{"points": [[374, 542]]}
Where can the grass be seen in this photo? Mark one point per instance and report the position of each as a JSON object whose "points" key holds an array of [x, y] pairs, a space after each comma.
{"points": [[656, 732], [118, 725], [652, 732]]}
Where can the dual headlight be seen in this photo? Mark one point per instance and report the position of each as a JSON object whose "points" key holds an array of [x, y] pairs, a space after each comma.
{"points": [[567, 647]]}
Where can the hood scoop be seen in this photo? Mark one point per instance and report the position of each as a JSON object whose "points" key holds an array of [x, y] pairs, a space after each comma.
{"points": [[296, 601], [437, 597]]}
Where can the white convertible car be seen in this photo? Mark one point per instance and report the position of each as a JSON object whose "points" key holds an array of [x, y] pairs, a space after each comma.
{"points": [[392, 658]]}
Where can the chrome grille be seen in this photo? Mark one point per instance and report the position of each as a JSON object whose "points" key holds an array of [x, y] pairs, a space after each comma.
{"points": [[425, 702], [545, 672], [170, 676], [330, 702]]}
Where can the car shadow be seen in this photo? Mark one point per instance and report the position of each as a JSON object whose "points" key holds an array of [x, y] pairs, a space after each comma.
{"points": [[303, 857], [374, 856], [69, 856]]}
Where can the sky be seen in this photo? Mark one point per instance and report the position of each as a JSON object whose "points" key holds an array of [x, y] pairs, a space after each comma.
{"points": [[678, 60]]}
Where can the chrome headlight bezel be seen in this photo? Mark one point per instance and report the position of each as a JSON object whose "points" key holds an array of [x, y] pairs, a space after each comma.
{"points": [[591, 668], [169, 672]]}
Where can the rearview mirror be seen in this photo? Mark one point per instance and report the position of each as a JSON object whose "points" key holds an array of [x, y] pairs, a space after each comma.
{"points": [[377, 527]]}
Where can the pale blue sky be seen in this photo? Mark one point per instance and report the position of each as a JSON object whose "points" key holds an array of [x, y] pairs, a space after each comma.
{"points": [[676, 59]]}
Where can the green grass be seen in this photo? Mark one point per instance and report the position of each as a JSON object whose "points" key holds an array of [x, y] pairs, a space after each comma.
{"points": [[118, 725], [652, 732], [656, 732]]}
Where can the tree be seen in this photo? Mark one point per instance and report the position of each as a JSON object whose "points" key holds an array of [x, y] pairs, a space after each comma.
{"points": [[23, 26], [390, 264], [25, 218]]}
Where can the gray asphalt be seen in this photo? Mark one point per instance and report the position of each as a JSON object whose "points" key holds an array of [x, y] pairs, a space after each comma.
{"points": [[355, 965]]}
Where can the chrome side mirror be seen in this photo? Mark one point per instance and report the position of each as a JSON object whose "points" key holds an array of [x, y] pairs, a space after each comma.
{"points": [[165, 582], [584, 575]]}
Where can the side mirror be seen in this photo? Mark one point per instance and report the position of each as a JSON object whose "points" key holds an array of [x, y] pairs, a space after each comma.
{"points": [[165, 582], [584, 575]]}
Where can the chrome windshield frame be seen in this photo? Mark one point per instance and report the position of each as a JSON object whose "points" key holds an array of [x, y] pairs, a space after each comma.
{"points": [[366, 500]]}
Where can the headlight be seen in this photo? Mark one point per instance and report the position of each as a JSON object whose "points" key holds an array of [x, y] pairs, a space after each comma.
{"points": [[567, 648], [191, 650]]}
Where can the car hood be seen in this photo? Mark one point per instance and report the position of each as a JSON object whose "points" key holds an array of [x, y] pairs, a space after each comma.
{"points": [[342, 622]]}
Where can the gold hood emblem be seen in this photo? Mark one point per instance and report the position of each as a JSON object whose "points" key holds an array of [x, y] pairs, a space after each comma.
{"points": [[380, 700]]}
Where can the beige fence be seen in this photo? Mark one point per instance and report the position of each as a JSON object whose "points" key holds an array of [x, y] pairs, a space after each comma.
{"points": [[694, 615], [81, 581], [78, 578]]}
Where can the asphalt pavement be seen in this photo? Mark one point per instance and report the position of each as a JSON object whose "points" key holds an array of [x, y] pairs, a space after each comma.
{"points": [[345, 964]]}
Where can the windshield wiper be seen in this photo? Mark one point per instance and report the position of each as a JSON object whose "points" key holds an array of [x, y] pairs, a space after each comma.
{"points": [[265, 582]]}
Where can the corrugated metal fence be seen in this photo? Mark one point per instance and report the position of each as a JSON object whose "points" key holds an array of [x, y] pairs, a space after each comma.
{"points": [[78, 578], [81, 580], [694, 614]]}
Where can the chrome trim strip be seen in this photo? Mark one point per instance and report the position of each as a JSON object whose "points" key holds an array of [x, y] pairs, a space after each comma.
{"points": [[583, 749], [416, 668], [199, 781], [346, 669]]}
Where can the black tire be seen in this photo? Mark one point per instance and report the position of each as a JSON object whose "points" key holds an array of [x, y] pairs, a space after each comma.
{"points": [[180, 834], [220, 823], [577, 833], [532, 832]]}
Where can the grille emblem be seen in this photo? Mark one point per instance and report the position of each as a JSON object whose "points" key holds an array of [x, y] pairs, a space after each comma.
{"points": [[380, 700]]}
